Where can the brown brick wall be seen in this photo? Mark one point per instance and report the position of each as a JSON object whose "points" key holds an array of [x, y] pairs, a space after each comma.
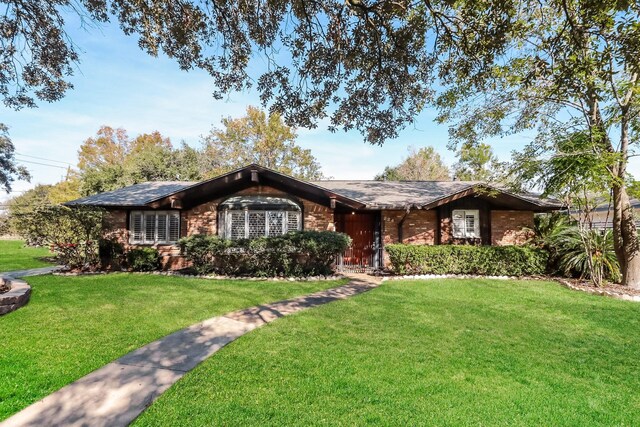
{"points": [[202, 219], [507, 227], [114, 225], [419, 227]]}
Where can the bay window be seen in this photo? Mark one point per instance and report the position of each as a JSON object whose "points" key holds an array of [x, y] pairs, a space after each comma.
{"points": [[249, 217]]}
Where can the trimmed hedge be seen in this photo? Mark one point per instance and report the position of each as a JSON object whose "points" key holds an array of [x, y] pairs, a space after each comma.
{"points": [[301, 253], [458, 259]]}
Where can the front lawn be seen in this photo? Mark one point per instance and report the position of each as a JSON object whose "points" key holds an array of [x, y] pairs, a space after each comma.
{"points": [[446, 352], [74, 325], [14, 255]]}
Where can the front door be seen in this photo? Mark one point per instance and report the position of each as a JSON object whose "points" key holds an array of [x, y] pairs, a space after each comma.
{"points": [[361, 227]]}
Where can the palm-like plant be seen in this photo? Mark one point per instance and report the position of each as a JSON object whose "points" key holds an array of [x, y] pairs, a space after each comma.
{"points": [[577, 251], [587, 253]]}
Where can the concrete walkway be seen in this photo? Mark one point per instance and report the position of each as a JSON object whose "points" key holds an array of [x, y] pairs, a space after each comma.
{"points": [[30, 272], [117, 393]]}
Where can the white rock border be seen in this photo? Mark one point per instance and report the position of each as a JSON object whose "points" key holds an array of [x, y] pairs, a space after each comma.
{"points": [[208, 277], [18, 295], [455, 276]]}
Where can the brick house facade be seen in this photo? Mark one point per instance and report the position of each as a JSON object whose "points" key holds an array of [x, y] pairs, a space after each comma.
{"points": [[374, 214]]}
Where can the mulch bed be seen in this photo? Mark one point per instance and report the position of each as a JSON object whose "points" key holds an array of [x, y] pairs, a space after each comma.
{"points": [[609, 287]]}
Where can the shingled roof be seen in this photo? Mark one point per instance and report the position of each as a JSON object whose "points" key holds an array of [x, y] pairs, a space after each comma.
{"points": [[403, 194], [368, 194], [137, 195]]}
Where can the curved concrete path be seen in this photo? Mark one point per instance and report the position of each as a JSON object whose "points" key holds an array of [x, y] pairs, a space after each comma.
{"points": [[117, 393], [30, 272]]}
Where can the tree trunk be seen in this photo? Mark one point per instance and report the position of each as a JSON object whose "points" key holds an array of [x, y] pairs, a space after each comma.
{"points": [[625, 234], [626, 238]]}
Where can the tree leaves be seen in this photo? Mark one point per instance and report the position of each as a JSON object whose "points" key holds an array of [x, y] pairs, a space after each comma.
{"points": [[424, 164], [9, 169]]}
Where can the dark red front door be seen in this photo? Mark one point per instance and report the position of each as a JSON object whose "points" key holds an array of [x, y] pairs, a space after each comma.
{"points": [[361, 228]]}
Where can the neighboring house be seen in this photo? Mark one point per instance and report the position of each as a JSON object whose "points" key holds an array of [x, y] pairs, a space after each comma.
{"points": [[601, 218], [256, 201]]}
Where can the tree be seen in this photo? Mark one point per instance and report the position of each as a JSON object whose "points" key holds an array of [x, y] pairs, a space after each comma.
{"points": [[424, 164], [112, 160], [633, 188], [9, 170], [42, 196], [257, 138], [562, 67], [368, 65], [577, 180], [476, 162]]}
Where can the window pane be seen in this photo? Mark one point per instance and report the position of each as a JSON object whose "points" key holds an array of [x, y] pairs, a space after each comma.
{"points": [[256, 224], [293, 221], [162, 227], [276, 223], [471, 225], [237, 224], [136, 226], [458, 224], [174, 227], [150, 227]]}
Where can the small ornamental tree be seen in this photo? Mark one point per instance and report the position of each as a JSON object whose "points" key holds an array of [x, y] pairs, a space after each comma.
{"points": [[71, 233]]}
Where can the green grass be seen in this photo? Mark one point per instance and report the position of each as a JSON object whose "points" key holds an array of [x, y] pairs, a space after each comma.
{"points": [[74, 325], [14, 255], [449, 352]]}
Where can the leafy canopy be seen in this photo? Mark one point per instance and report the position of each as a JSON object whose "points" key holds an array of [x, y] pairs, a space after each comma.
{"points": [[257, 138], [424, 164], [365, 65], [112, 160], [9, 169], [476, 162]]}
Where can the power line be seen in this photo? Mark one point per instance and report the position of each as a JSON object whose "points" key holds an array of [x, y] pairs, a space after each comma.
{"points": [[42, 164], [44, 158]]}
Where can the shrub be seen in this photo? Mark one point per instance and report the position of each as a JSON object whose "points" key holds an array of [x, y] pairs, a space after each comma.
{"points": [[71, 233], [112, 253], [300, 253], [143, 259], [454, 259]]}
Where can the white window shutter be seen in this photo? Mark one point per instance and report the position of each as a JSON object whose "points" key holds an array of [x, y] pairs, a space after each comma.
{"points": [[149, 227], [174, 227], [136, 227], [458, 219], [162, 227]]}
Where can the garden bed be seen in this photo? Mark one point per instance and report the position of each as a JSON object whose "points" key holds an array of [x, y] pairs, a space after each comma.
{"points": [[610, 289], [192, 275]]}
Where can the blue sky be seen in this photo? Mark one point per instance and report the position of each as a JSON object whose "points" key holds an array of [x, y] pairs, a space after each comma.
{"points": [[117, 84]]}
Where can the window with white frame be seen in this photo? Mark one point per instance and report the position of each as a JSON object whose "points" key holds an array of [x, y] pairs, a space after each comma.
{"points": [[466, 224], [248, 217], [149, 227]]}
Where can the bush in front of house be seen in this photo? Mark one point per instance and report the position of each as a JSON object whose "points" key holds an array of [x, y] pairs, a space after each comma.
{"points": [[72, 234], [459, 259], [302, 253], [143, 259]]}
